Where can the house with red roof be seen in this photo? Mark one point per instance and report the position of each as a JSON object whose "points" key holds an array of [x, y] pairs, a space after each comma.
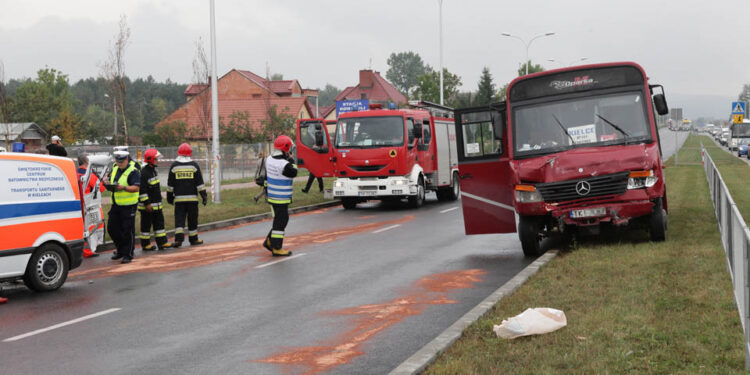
{"points": [[240, 91], [372, 87]]}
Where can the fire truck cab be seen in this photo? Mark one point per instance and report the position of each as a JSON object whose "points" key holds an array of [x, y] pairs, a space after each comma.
{"points": [[569, 150], [384, 154]]}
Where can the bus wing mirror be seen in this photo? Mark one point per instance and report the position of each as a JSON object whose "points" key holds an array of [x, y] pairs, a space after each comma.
{"points": [[660, 102]]}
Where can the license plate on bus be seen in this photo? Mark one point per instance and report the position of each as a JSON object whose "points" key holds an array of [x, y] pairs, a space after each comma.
{"points": [[588, 212], [366, 193]]}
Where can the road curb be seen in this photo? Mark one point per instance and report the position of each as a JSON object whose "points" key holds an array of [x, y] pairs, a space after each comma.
{"points": [[236, 221], [425, 356]]}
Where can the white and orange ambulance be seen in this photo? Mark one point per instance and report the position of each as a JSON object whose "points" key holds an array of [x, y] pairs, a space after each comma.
{"points": [[44, 219]]}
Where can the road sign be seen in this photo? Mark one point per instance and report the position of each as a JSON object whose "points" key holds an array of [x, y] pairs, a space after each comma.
{"points": [[738, 108], [343, 106], [737, 119]]}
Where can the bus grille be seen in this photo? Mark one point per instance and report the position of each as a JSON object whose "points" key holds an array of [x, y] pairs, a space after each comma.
{"points": [[611, 184]]}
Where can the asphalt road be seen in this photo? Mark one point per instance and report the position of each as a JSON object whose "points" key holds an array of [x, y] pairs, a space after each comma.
{"points": [[364, 290]]}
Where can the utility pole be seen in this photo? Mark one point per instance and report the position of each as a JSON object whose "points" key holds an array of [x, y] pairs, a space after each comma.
{"points": [[440, 18], [215, 112]]}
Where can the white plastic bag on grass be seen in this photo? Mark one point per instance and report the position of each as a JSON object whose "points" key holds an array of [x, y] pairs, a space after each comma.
{"points": [[531, 322]]}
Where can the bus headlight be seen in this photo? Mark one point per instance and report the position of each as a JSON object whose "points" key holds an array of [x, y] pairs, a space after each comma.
{"points": [[641, 179], [527, 194]]}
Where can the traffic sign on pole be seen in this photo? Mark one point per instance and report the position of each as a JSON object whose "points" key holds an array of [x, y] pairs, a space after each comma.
{"points": [[738, 108], [737, 119]]}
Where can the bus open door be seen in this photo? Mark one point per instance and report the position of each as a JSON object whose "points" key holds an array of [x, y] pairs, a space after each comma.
{"points": [[314, 151], [484, 170]]}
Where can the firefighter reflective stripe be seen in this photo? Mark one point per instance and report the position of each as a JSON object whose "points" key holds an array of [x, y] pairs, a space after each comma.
{"points": [[161, 233], [145, 236], [153, 180], [179, 230], [280, 188], [154, 206], [184, 172], [123, 197], [143, 197], [170, 188], [185, 198], [277, 234], [201, 187], [193, 233]]}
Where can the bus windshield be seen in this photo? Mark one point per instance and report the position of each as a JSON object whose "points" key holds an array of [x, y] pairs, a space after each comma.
{"points": [[741, 130], [370, 132], [591, 121]]}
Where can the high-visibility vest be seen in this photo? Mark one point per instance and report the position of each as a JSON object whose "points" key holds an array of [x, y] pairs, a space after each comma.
{"points": [[123, 197], [279, 187]]}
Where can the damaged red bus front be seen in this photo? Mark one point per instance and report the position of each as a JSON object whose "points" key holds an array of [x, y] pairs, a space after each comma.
{"points": [[570, 149]]}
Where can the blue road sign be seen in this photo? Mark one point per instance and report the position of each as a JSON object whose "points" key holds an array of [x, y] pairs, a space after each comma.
{"points": [[738, 108], [343, 106]]}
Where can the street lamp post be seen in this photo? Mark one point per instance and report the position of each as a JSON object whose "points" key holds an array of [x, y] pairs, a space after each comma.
{"points": [[215, 113], [440, 18], [527, 44], [570, 64], [114, 109]]}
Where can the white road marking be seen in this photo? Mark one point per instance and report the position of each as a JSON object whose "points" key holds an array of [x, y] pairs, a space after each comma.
{"points": [[449, 209], [280, 260], [56, 326], [386, 228]]}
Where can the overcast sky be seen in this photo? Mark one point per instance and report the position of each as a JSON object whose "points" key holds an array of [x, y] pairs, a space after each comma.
{"points": [[696, 48]]}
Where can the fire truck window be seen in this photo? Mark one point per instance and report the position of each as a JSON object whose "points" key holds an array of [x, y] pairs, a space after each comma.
{"points": [[410, 130], [311, 131], [426, 136]]}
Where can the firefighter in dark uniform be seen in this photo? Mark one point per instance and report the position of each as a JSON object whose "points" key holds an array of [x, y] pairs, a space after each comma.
{"points": [[184, 184], [149, 204], [280, 173], [125, 183]]}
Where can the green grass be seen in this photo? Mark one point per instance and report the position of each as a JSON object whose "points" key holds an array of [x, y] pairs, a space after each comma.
{"points": [[238, 203], [633, 306]]}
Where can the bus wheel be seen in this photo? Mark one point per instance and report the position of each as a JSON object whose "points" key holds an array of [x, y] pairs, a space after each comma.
{"points": [[47, 268], [416, 201], [658, 223], [529, 228], [349, 203]]}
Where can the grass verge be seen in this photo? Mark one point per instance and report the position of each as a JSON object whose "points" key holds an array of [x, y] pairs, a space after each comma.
{"points": [[632, 305]]}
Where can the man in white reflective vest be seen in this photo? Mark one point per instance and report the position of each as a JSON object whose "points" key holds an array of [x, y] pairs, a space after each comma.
{"points": [[280, 173]]}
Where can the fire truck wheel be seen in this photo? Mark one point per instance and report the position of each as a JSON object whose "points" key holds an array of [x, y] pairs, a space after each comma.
{"points": [[349, 203], [416, 201], [529, 228], [658, 223], [455, 188], [47, 268]]}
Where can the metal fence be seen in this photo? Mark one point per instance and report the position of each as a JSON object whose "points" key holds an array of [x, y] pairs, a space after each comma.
{"points": [[735, 238], [238, 161]]}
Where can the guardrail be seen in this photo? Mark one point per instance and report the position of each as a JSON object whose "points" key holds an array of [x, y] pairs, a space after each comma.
{"points": [[735, 237]]}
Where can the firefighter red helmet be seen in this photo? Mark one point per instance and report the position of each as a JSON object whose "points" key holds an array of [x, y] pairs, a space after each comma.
{"points": [[283, 143], [185, 150], [151, 155]]}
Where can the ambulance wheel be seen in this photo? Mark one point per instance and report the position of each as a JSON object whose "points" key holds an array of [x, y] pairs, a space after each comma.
{"points": [[417, 201], [349, 203], [529, 228], [47, 268], [658, 223]]}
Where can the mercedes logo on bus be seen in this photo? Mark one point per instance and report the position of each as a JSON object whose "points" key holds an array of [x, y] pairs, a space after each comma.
{"points": [[583, 188]]}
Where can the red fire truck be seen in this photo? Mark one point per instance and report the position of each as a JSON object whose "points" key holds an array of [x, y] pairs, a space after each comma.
{"points": [[384, 154], [569, 150]]}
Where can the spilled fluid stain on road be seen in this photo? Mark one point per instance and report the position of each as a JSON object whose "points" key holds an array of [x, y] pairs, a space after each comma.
{"points": [[370, 320], [203, 255]]}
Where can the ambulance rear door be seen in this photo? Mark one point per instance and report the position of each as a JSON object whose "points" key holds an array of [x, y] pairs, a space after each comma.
{"points": [[484, 170], [92, 202]]}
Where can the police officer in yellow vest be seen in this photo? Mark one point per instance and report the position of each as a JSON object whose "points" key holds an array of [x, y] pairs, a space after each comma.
{"points": [[125, 181]]}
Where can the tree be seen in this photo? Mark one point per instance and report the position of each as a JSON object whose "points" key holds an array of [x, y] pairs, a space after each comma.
{"points": [[43, 99], [328, 95], [202, 76], [114, 71], [428, 86], [97, 124], [67, 125], [486, 89], [275, 124], [404, 69], [4, 106], [277, 77], [168, 134], [239, 129], [533, 68], [743, 97]]}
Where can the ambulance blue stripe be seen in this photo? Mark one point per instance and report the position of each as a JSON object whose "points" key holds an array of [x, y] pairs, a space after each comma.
{"points": [[8, 211], [279, 182]]}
